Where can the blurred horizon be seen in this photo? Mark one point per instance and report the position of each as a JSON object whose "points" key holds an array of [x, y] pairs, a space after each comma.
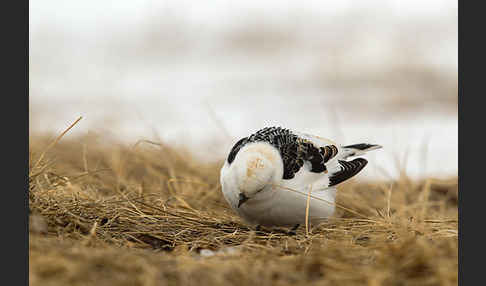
{"points": [[193, 73]]}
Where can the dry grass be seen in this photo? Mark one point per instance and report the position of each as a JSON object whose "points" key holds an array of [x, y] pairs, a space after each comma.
{"points": [[104, 213]]}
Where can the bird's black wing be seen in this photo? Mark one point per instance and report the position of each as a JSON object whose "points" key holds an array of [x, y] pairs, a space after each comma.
{"points": [[348, 170]]}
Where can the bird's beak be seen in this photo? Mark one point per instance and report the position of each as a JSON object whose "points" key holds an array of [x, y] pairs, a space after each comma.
{"points": [[243, 199]]}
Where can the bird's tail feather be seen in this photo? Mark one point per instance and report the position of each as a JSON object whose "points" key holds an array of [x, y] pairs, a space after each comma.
{"points": [[359, 149]]}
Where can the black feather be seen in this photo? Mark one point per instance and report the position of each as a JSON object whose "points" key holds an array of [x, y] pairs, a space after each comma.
{"points": [[348, 170], [236, 148], [328, 152], [360, 146]]}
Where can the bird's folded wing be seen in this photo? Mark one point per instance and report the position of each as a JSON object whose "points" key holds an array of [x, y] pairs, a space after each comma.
{"points": [[347, 170]]}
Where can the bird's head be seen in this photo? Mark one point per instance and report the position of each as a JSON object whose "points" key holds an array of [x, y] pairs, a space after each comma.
{"points": [[256, 167]]}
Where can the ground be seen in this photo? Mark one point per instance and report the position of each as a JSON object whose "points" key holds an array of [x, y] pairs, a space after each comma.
{"points": [[109, 213]]}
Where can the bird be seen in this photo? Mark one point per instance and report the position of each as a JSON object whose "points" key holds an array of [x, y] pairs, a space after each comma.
{"points": [[270, 176]]}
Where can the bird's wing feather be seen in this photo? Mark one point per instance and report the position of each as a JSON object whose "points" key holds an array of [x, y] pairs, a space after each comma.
{"points": [[334, 157], [316, 140], [347, 170]]}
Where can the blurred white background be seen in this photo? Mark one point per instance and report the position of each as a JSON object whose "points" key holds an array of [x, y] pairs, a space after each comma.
{"points": [[206, 73]]}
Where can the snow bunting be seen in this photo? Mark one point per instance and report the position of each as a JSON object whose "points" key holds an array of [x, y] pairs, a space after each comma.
{"points": [[267, 176]]}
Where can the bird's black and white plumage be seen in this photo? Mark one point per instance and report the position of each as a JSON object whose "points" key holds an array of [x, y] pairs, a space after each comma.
{"points": [[267, 175]]}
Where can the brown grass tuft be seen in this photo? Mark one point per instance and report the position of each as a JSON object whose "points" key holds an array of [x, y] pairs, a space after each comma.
{"points": [[106, 213]]}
